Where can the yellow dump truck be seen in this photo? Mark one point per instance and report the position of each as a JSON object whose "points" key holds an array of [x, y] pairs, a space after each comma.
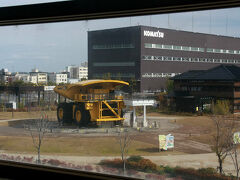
{"points": [[91, 102]]}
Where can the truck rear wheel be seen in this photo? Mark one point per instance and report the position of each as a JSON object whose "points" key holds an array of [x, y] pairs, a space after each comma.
{"points": [[64, 113]]}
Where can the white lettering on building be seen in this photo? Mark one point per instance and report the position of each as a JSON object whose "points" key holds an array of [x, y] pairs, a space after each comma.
{"points": [[153, 34]]}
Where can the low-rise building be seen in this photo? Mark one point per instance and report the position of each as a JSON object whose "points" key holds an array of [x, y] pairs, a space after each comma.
{"points": [[5, 76], [41, 77], [57, 78], [77, 72], [199, 89]]}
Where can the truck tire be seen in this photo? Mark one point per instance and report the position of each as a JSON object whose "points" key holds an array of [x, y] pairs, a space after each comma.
{"points": [[60, 113], [82, 116], [64, 113], [79, 115]]}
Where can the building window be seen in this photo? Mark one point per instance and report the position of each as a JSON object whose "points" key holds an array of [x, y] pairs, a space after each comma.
{"points": [[107, 64], [113, 46], [194, 49], [177, 47], [167, 46], [209, 50], [217, 50], [147, 45], [185, 48], [189, 59]]}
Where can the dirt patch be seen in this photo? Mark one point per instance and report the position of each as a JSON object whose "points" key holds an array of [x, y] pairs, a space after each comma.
{"points": [[24, 115]]}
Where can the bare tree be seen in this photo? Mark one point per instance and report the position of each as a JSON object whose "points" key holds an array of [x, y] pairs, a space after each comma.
{"points": [[124, 139], [38, 128], [234, 156], [222, 138]]}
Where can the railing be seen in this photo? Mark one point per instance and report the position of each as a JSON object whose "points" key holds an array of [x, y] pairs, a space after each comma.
{"points": [[109, 96], [97, 97], [139, 96]]}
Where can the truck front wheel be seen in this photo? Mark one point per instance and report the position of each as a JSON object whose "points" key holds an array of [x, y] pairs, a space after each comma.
{"points": [[60, 114]]}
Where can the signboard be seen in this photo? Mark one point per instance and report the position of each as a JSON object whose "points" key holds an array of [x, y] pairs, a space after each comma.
{"points": [[11, 104], [236, 138], [153, 34], [49, 88], [162, 142], [166, 142], [170, 141]]}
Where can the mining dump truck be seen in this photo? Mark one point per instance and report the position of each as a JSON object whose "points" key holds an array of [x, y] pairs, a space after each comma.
{"points": [[91, 102]]}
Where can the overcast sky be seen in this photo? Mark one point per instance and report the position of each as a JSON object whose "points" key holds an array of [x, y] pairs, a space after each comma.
{"points": [[53, 46]]}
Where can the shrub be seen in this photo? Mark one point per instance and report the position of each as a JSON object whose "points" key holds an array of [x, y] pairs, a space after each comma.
{"points": [[88, 168], [170, 170], [222, 107], [54, 162], [160, 170], [204, 173], [207, 171], [134, 158], [117, 163], [147, 165]]}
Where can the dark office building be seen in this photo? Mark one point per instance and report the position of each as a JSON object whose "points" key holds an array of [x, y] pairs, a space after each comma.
{"points": [[151, 55]]}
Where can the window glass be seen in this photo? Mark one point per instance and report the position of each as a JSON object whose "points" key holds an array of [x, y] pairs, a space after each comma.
{"points": [[48, 73], [209, 50], [194, 49], [185, 48]]}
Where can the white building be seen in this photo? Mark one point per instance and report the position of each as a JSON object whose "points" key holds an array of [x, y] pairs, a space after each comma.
{"points": [[77, 72], [41, 77], [57, 78], [72, 81], [25, 78]]}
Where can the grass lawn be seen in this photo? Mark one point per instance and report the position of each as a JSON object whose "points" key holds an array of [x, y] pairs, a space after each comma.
{"points": [[82, 146]]}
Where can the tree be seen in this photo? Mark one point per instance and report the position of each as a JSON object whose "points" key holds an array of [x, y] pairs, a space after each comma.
{"points": [[50, 83], [169, 85], [133, 84], [38, 128], [222, 137], [234, 156], [17, 83], [124, 140], [221, 107]]}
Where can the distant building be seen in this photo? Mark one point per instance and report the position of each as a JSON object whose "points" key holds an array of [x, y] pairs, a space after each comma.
{"points": [[77, 72], [72, 81], [84, 64], [42, 77], [5, 76], [201, 88], [57, 78]]}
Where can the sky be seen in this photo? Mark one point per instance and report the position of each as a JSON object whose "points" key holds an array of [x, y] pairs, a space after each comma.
{"points": [[53, 46]]}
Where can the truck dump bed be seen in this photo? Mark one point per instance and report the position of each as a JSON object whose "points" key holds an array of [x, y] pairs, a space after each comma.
{"points": [[88, 87]]}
